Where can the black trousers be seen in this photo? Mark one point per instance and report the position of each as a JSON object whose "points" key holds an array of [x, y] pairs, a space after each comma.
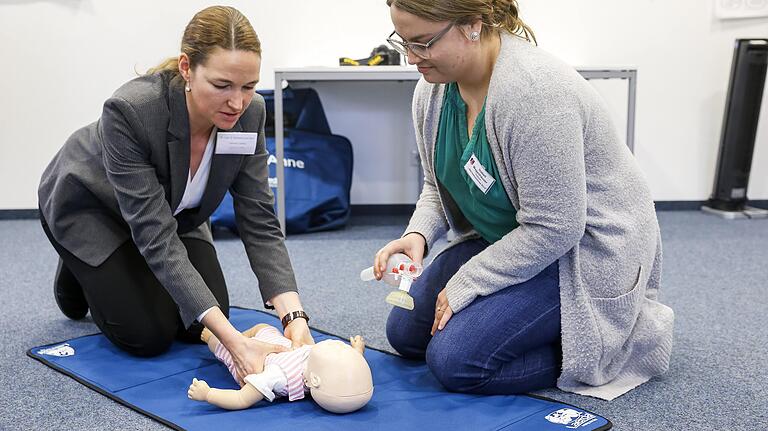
{"points": [[129, 304]]}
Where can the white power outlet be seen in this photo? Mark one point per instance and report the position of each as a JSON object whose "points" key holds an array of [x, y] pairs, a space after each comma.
{"points": [[734, 9]]}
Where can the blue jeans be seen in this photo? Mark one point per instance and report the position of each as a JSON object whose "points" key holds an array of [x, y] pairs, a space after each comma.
{"points": [[504, 343]]}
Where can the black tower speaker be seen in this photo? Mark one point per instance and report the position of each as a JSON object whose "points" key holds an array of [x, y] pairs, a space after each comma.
{"points": [[742, 110]]}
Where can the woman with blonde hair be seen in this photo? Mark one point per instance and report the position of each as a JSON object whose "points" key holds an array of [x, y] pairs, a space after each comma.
{"points": [[555, 273], [125, 202]]}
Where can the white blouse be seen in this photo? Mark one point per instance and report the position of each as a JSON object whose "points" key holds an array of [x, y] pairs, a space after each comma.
{"points": [[195, 189]]}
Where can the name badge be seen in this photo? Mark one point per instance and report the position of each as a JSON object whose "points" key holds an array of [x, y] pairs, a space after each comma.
{"points": [[236, 142], [479, 175]]}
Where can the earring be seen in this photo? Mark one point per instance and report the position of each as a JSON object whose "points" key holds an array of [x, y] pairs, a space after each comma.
{"points": [[474, 36], [186, 87]]}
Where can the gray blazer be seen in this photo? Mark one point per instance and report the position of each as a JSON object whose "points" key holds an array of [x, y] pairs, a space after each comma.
{"points": [[124, 175]]}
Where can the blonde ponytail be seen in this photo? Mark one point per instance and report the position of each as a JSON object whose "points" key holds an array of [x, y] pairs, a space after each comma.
{"points": [[169, 64]]}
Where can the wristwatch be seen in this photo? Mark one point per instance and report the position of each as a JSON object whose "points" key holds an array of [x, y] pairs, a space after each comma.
{"points": [[293, 315]]}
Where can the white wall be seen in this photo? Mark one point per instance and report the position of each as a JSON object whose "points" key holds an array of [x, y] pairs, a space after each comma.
{"points": [[376, 118], [683, 56], [60, 59]]}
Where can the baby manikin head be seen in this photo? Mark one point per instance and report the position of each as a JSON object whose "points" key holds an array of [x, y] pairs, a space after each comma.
{"points": [[338, 377]]}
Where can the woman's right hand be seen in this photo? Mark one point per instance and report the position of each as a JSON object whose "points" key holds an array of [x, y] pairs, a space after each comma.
{"points": [[412, 244], [249, 356]]}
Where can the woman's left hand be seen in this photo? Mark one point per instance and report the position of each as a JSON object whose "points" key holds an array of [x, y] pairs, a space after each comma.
{"points": [[443, 312], [298, 332], [298, 329]]}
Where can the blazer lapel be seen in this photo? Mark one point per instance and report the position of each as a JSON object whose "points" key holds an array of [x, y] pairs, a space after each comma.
{"points": [[178, 140], [224, 167]]}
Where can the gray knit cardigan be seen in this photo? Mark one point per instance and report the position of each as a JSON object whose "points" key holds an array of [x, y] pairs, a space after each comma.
{"points": [[581, 199]]}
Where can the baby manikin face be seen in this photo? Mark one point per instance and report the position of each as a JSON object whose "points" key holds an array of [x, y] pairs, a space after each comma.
{"points": [[325, 358], [338, 376]]}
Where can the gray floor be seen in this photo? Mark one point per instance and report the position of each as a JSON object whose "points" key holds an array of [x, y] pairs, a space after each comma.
{"points": [[715, 278]]}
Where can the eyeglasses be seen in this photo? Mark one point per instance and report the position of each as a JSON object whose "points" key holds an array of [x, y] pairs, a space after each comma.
{"points": [[418, 49]]}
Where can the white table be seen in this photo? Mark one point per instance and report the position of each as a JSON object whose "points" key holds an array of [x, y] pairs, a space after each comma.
{"points": [[404, 73]]}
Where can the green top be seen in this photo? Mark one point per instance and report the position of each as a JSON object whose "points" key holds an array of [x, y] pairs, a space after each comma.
{"points": [[490, 212]]}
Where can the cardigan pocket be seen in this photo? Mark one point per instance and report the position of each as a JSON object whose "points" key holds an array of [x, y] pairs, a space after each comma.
{"points": [[615, 318]]}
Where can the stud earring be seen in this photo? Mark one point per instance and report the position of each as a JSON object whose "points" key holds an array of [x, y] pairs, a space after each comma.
{"points": [[474, 36], [186, 87]]}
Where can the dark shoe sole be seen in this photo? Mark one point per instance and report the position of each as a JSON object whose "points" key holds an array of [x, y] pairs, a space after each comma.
{"points": [[68, 294]]}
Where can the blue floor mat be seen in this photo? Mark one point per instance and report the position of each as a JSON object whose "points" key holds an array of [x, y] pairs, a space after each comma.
{"points": [[406, 396]]}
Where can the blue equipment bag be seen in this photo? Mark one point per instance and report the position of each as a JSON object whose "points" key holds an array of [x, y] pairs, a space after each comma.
{"points": [[318, 167], [318, 177], [302, 110]]}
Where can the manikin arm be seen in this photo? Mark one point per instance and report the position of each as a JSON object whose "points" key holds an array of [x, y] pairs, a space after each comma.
{"points": [[251, 332], [230, 399], [357, 343]]}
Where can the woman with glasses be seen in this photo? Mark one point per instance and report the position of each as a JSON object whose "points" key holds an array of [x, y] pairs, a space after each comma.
{"points": [[554, 276], [126, 200]]}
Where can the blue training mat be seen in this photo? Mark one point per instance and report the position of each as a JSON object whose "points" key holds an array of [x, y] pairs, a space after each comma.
{"points": [[406, 396]]}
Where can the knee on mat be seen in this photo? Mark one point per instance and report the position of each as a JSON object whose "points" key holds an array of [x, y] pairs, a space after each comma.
{"points": [[145, 343], [456, 372], [452, 370], [402, 341]]}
